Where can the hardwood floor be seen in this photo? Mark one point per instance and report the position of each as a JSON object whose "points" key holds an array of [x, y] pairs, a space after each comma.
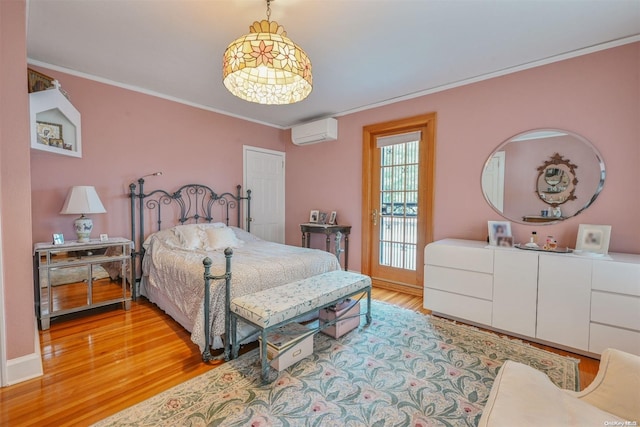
{"points": [[96, 365]]}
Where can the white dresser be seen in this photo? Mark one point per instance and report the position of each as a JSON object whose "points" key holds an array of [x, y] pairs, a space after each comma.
{"points": [[583, 304]]}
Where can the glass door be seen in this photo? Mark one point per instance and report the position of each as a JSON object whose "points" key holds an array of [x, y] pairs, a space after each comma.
{"points": [[397, 201]]}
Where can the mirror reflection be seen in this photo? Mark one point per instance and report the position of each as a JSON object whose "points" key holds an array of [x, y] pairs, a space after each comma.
{"points": [[543, 176], [556, 183]]}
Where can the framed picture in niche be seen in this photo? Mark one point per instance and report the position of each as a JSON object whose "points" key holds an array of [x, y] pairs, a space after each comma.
{"points": [[49, 134]]}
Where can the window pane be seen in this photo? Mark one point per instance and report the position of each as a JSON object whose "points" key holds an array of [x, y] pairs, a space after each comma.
{"points": [[399, 201]]}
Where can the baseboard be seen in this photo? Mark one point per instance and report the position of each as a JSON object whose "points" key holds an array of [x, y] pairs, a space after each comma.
{"points": [[25, 367], [405, 289]]}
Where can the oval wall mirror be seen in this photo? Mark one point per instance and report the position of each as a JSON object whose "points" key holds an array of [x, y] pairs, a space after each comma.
{"points": [[543, 176]]}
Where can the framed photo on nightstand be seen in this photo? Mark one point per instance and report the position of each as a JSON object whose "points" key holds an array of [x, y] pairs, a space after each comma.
{"points": [[58, 238]]}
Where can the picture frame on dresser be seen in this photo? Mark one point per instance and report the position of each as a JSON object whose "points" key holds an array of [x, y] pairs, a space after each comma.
{"points": [[593, 239], [499, 229]]}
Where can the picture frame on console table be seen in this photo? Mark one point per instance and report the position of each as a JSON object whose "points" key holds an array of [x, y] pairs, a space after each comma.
{"points": [[58, 238], [332, 218], [593, 239], [499, 230]]}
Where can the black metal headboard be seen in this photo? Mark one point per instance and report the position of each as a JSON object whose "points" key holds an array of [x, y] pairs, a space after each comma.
{"points": [[195, 203]]}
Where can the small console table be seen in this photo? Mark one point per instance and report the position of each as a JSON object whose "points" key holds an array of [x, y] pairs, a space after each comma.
{"points": [[74, 276], [327, 230]]}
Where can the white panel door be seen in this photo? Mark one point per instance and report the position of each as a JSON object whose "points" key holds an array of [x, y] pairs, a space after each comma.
{"points": [[264, 176]]}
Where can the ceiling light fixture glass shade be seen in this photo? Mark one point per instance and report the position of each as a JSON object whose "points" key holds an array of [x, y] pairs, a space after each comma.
{"points": [[266, 67]]}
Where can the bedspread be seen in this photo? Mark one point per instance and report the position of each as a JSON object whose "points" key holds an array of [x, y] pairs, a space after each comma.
{"points": [[176, 273]]}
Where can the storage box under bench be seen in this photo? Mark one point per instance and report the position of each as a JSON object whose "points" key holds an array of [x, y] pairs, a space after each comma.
{"points": [[279, 342], [350, 309]]}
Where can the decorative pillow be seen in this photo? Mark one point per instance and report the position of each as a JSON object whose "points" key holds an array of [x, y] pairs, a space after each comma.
{"points": [[206, 225], [221, 238], [191, 235], [245, 235]]}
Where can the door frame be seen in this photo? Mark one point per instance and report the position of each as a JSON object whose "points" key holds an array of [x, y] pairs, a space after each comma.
{"points": [[427, 124]]}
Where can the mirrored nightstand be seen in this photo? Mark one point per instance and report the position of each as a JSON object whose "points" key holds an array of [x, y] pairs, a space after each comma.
{"points": [[74, 276]]}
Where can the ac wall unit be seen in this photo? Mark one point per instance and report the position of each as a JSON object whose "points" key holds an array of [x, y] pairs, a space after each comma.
{"points": [[314, 132]]}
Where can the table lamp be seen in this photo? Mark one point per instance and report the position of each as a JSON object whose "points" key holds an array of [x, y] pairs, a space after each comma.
{"points": [[83, 200]]}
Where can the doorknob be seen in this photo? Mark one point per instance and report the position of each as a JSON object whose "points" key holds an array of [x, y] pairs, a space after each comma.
{"points": [[374, 216]]}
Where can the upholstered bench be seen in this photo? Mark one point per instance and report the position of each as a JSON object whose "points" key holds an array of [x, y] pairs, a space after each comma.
{"points": [[275, 307]]}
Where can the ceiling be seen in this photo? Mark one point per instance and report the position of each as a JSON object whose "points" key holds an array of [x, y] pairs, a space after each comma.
{"points": [[364, 53]]}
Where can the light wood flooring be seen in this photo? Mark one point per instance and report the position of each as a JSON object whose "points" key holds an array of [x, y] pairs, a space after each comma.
{"points": [[96, 365]]}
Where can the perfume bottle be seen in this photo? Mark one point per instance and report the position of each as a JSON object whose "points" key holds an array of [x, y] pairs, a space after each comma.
{"points": [[550, 244], [533, 241]]}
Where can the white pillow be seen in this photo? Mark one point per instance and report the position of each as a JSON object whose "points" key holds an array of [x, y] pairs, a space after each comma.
{"points": [[221, 238], [191, 235], [244, 235], [206, 225]]}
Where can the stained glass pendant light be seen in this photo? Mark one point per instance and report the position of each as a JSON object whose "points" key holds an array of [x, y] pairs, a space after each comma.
{"points": [[266, 67]]}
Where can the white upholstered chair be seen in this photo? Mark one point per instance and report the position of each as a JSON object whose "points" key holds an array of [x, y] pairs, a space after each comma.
{"points": [[524, 396]]}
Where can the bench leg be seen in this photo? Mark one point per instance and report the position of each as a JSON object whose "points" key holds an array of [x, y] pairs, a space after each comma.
{"points": [[235, 345], [369, 306], [263, 357]]}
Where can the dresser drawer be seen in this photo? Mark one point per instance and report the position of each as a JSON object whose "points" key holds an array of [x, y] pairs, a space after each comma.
{"points": [[615, 310], [619, 277], [470, 283], [461, 257], [603, 337], [459, 306]]}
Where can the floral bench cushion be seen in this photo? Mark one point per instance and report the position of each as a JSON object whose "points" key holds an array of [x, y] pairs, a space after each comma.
{"points": [[286, 302]]}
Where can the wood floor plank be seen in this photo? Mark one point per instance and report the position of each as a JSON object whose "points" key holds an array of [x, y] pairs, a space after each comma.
{"points": [[98, 363]]}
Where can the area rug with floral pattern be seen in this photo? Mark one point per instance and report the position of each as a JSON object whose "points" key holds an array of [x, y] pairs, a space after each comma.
{"points": [[404, 369]]}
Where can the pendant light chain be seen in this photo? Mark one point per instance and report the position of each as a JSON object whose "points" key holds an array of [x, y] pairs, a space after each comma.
{"points": [[269, 10]]}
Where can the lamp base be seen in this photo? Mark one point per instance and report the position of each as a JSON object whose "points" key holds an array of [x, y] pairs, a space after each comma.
{"points": [[84, 226]]}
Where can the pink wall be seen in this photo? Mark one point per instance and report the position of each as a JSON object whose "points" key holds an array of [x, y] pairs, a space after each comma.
{"points": [[15, 201], [596, 96], [126, 135]]}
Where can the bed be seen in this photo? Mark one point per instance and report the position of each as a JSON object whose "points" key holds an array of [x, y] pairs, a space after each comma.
{"points": [[171, 257]]}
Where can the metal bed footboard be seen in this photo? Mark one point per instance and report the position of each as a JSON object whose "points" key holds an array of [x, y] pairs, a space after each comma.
{"points": [[206, 354]]}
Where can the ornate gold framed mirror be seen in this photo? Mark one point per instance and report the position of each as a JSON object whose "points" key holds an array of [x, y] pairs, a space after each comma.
{"points": [[556, 182]]}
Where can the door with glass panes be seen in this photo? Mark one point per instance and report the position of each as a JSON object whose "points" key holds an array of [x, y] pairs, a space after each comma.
{"points": [[398, 175]]}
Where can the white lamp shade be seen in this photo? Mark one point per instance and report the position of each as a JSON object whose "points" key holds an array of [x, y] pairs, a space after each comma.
{"points": [[82, 200]]}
